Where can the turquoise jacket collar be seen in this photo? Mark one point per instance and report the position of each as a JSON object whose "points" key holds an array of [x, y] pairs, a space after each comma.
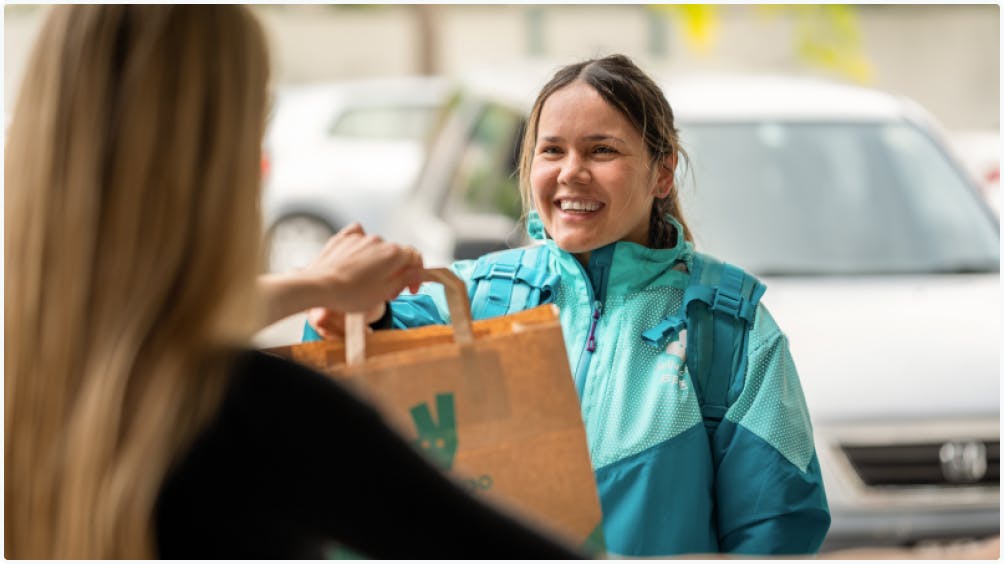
{"points": [[627, 266]]}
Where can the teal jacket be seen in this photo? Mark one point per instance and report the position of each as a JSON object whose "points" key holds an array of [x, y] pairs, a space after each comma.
{"points": [[666, 486]]}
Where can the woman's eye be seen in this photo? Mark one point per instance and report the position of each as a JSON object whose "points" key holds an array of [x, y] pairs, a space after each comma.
{"points": [[603, 149], [550, 150]]}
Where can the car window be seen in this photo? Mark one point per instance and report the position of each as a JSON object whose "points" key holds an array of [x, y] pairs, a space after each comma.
{"points": [[486, 178], [384, 123], [827, 198]]}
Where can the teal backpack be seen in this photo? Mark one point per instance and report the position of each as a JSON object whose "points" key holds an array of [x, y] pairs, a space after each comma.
{"points": [[717, 311]]}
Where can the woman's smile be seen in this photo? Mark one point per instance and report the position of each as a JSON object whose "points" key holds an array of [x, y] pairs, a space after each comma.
{"points": [[578, 207], [591, 178]]}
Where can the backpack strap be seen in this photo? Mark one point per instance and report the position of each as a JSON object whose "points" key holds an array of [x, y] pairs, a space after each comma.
{"points": [[720, 303], [718, 309], [511, 280]]}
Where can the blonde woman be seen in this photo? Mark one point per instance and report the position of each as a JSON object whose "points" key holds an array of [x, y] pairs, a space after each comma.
{"points": [[137, 423]]}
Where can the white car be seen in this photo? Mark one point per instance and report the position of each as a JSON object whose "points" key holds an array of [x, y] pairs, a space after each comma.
{"points": [[880, 257], [341, 152], [980, 152]]}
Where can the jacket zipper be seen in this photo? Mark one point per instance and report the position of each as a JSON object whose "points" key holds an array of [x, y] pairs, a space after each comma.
{"points": [[585, 357], [591, 341]]}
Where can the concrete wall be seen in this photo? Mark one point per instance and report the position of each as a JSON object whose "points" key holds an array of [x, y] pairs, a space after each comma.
{"points": [[947, 57]]}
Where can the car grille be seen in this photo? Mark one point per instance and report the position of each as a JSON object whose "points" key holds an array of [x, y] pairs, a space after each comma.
{"points": [[963, 463]]}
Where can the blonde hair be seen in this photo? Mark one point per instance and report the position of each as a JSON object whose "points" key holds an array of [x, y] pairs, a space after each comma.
{"points": [[635, 95], [132, 245]]}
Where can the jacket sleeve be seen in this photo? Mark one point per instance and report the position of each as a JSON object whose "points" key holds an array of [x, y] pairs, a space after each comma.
{"points": [[427, 307], [768, 487]]}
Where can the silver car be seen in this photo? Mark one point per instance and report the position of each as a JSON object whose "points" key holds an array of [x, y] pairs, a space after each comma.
{"points": [[339, 152], [880, 257]]}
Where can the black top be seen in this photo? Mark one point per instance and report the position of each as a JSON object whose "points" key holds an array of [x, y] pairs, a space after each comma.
{"points": [[293, 464]]}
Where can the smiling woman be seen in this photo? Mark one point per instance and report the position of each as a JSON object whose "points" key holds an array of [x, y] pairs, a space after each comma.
{"points": [[698, 431], [630, 131], [593, 181]]}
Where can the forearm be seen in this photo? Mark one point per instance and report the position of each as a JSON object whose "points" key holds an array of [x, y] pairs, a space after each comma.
{"points": [[354, 272], [286, 294]]}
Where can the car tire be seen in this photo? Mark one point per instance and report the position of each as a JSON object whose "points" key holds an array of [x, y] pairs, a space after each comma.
{"points": [[293, 241]]}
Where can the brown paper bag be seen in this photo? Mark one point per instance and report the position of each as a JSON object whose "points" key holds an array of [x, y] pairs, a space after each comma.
{"points": [[491, 401]]}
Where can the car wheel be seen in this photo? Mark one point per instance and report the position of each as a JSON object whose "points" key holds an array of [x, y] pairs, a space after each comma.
{"points": [[294, 241]]}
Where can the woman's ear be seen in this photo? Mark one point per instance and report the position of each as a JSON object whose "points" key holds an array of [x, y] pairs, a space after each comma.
{"points": [[665, 176]]}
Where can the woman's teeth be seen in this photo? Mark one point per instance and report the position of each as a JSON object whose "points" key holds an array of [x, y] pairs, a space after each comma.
{"points": [[579, 206]]}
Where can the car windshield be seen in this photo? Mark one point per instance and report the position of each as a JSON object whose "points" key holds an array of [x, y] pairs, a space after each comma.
{"points": [[822, 198], [401, 122], [305, 116]]}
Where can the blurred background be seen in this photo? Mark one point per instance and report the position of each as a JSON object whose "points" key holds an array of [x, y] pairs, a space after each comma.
{"points": [[849, 155], [944, 56]]}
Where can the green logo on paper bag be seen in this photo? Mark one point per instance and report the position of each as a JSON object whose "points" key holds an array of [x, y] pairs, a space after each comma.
{"points": [[596, 544], [438, 440]]}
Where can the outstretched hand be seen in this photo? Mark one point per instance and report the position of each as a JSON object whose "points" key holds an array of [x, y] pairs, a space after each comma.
{"points": [[353, 272], [360, 271], [369, 272]]}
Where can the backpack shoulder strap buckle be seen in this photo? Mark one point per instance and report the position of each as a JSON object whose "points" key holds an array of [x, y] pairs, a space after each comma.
{"points": [[726, 302], [511, 280], [503, 270]]}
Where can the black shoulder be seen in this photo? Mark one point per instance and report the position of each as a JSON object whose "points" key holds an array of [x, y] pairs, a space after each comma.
{"points": [[271, 386]]}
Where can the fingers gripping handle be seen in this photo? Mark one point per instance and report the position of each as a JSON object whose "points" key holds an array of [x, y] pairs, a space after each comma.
{"points": [[456, 301]]}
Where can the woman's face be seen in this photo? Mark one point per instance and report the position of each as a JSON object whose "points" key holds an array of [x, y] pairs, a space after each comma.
{"points": [[591, 179]]}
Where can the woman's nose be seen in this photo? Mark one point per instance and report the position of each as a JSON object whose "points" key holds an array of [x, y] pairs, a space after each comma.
{"points": [[573, 171]]}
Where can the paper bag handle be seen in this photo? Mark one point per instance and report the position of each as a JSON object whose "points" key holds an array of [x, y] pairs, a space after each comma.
{"points": [[456, 302]]}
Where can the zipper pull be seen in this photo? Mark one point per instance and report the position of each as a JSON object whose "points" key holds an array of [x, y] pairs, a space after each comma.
{"points": [[591, 342]]}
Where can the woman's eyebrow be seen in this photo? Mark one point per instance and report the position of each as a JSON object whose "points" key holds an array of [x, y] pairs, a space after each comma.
{"points": [[603, 137], [592, 137]]}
